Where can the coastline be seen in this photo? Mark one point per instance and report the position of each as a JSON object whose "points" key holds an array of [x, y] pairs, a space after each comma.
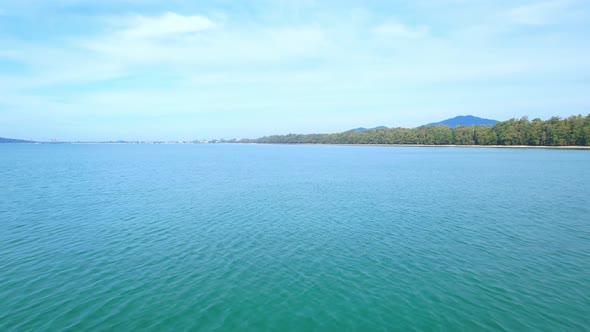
{"points": [[564, 147]]}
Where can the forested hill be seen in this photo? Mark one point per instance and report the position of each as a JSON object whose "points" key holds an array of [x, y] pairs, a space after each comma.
{"points": [[365, 129], [465, 120], [555, 131], [12, 140]]}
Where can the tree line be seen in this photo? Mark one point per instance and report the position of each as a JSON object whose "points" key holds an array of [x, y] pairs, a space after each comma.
{"points": [[574, 130]]}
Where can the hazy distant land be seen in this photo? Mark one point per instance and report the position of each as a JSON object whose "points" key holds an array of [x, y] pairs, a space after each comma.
{"points": [[13, 140]]}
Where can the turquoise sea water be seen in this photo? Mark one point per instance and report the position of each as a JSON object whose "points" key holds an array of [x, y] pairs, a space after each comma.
{"points": [[293, 238]]}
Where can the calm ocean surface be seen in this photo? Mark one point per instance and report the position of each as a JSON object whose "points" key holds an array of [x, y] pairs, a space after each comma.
{"points": [[293, 238]]}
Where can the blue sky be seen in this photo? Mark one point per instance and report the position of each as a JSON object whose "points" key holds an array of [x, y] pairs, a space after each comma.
{"points": [[151, 70]]}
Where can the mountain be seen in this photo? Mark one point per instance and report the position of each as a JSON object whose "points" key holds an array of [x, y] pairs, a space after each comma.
{"points": [[464, 120], [12, 140], [365, 129]]}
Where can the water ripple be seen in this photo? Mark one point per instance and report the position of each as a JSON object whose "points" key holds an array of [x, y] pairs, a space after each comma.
{"points": [[293, 238]]}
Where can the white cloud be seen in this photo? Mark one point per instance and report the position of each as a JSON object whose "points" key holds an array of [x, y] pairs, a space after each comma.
{"points": [[539, 13], [175, 40], [172, 44], [398, 30], [167, 25]]}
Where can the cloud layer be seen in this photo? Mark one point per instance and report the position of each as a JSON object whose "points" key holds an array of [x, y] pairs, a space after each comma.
{"points": [[214, 71]]}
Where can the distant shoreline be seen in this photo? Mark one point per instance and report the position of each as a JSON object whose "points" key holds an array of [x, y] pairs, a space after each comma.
{"points": [[565, 147]]}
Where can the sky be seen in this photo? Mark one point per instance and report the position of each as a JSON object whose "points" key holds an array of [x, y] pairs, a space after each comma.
{"points": [[83, 70]]}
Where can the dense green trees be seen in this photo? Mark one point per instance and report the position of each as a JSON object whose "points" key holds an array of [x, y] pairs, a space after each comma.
{"points": [[555, 131]]}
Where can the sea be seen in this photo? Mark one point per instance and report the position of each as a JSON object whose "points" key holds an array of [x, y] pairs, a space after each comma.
{"points": [[246, 237]]}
